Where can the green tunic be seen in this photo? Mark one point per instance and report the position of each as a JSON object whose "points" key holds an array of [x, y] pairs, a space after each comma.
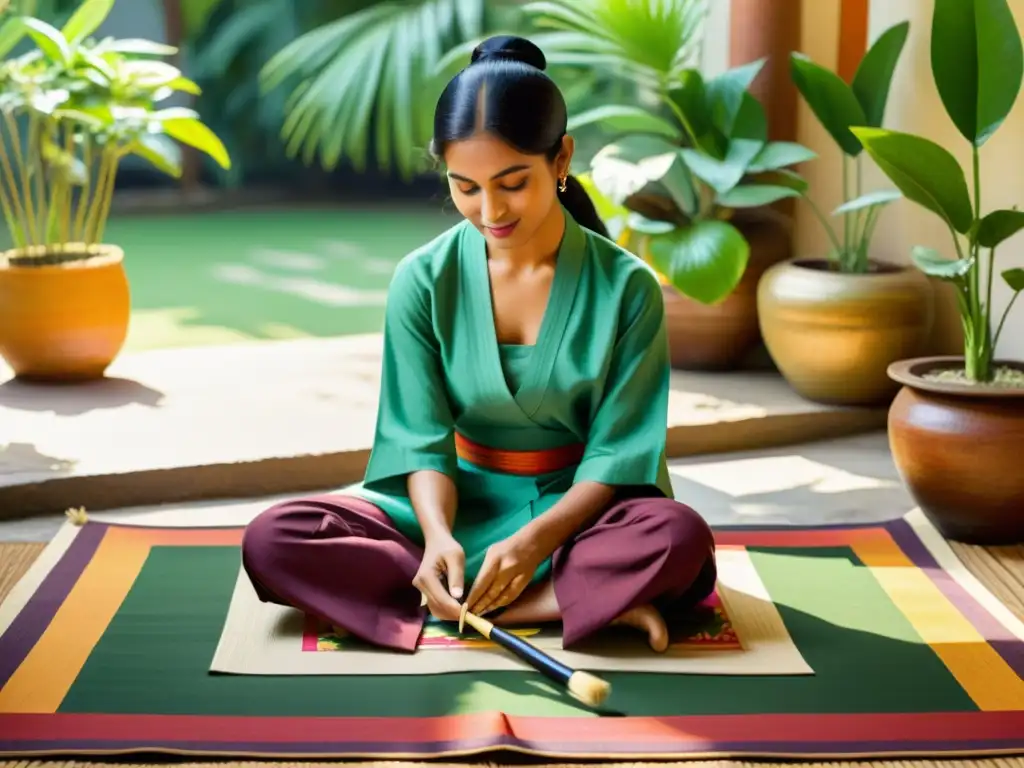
{"points": [[598, 375]]}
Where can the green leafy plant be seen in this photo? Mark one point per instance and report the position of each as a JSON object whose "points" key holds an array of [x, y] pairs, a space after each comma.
{"points": [[977, 63], [72, 107], [649, 43], [671, 186], [839, 106], [365, 81], [687, 153]]}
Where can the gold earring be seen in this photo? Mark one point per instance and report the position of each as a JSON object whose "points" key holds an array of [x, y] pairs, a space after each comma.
{"points": [[561, 183]]}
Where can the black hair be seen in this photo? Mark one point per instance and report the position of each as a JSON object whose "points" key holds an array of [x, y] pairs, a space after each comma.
{"points": [[521, 105]]}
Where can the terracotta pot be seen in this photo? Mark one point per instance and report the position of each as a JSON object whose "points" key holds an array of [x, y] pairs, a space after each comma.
{"points": [[63, 321], [718, 337], [833, 335], [958, 449]]}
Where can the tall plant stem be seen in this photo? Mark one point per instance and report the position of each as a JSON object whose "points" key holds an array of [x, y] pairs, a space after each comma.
{"points": [[12, 182], [824, 223], [35, 152], [26, 186], [862, 220], [846, 199], [104, 180], [978, 365], [66, 197], [1006, 313], [108, 194], [83, 193]]}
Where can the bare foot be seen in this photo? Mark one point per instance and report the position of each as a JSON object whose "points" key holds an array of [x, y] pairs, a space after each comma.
{"points": [[647, 619]]}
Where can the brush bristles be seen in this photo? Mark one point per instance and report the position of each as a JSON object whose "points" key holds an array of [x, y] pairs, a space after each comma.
{"points": [[589, 689]]}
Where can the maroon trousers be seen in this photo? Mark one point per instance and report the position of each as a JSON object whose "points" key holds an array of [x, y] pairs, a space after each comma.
{"points": [[341, 559]]}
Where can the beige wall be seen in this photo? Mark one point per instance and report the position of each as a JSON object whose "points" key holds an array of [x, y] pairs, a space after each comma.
{"points": [[914, 106]]}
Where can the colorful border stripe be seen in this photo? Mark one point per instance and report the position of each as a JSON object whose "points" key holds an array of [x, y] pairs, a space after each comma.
{"points": [[965, 652], [30, 624], [48, 659], [893, 544], [637, 737], [1009, 647]]}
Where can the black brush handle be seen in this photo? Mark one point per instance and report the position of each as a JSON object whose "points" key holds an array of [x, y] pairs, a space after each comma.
{"points": [[532, 655]]}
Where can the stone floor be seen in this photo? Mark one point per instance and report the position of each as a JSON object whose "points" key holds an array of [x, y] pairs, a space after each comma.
{"points": [[254, 420], [849, 479]]}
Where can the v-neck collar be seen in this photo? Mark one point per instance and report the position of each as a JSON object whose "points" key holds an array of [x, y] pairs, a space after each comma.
{"points": [[564, 283]]}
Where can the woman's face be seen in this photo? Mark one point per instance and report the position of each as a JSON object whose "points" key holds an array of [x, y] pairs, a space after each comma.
{"points": [[505, 194]]}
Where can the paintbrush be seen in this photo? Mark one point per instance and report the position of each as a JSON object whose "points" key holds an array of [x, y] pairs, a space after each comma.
{"points": [[585, 687]]}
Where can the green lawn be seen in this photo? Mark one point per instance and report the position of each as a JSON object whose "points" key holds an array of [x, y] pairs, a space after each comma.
{"points": [[226, 277]]}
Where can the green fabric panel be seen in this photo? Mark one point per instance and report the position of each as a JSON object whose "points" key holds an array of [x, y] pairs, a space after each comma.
{"points": [[154, 657]]}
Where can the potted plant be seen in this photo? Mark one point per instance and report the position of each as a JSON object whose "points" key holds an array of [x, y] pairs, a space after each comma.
{"points": [[674, 181], [833, 325], [956, 428], [689, 194], [72, 107]]}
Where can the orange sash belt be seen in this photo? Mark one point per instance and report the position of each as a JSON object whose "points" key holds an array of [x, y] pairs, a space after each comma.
{"points": [[519, 462]]}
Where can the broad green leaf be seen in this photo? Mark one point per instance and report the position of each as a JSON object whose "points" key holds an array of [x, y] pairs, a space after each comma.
{"points": [[186, 85], [750, 130], [623, 168], [86, 20], [831, 100], [678, 182], [149, 73], [164, 155], [705, 261], [11, 33], [999, 226], [625, 119], [870, 200], [924, 171], [49, 39], [755, 195], [933, 264], [137, 46], [873, 79], [779, 154], [190, 131], [784, 177], [725, 94], [1014, 278], [690, 98], [78, 116], [977, 63], [174, 113], [647, 226]]}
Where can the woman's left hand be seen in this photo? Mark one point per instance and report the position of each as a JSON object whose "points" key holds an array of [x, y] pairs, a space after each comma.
{"points": [[506, 571]]}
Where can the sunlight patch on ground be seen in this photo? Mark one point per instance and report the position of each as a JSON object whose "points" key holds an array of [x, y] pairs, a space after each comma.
{"points": [[776, 474], [345, 251], [180, 327], [293, 260], [702, 408], [311, 289]]}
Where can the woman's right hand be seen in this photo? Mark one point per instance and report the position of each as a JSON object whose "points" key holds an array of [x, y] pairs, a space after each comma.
{"points": [[442, 555]]}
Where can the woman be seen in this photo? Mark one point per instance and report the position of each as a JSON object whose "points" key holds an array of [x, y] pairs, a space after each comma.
{"points": [[520, 439]]}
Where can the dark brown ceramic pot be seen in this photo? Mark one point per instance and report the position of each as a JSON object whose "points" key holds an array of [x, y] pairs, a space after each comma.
{"points": [[720, 336], [959, 449]]}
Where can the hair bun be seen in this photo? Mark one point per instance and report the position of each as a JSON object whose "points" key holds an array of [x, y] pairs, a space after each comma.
{"points": [[510, 48]]}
